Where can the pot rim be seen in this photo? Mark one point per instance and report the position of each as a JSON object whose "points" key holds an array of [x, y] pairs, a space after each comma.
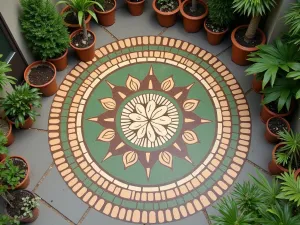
{"points": [[34, 64], [77, 31], [284, 120], [106, 12], [247, 49], [211, 32], [165, 13], [279, 114], [87, 20], [193, 17], [135, 3], [60, 57]]}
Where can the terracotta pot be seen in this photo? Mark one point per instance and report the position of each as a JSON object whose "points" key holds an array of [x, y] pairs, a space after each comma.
{"points": [[61, 62], [165, 19], [271, 137], [240, 53], [214, 38], [266, 114], [106, 18], [256, 84], [28, 123], [136, 8], [84, 54], [192, 24], [274, 168], [2, 157], [10, 136], [297, 173], [25, 183], [73, 27], [47, 89]]}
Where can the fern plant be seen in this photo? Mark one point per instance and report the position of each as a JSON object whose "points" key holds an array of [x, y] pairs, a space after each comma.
{"points": [[43, 29], [220, 12], [292, 19], [290, 188], [5, 79]]}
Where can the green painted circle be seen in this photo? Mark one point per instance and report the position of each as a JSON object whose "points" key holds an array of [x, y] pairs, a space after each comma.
{"points": [[141, 148]]}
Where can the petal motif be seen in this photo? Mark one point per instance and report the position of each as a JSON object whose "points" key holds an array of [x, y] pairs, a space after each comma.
{"points": [[150, 108], [190, 105], [163, 120], [142, 131], [159, 129], [108, 103], [130, 158], [140, 109], [167, 84], [137, 125], [160, 111], [166, 159], [150, 133], [133, 84], [189, 137], [137, 117], [107, 135]]}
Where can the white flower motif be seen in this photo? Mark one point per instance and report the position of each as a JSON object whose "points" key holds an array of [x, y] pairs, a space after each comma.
{"points": [[150, 121]]}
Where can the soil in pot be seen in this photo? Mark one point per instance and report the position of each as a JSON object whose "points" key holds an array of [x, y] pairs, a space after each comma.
{"points": [[240, 38], [79, 42], [4, 126], [72, 18], [276, 125], [40, 74], [171, 6], [200, 9], [272, 106], [214, 28], [107, 5]]}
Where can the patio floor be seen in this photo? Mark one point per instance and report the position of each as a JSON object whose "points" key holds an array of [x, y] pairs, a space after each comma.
{"points": [[144, 162]]}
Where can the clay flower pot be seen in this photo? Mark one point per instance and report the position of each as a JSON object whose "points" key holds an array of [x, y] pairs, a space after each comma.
{"points": [[274, 168], [73, 27], [61, 62], [50, 87], [10, 136], [84, 54], [271, 137], [106, 18], [165, 19], [214, 38], [136, 8], [256, 84], [192, 24], [240, 53], [28, 123]]}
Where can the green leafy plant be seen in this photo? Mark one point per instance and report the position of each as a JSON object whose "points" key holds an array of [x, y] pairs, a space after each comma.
{"points": [[21, 104], [290, 188], [255, 9], [43, 29], [10, 174], [220, 12], [81, 8], [6, 220], [5, 79], [289, 153], [292, 19], [3, 142], [28, 205]]}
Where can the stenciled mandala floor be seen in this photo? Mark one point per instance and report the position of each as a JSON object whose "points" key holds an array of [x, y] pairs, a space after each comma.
{"points": [[152, 130]]}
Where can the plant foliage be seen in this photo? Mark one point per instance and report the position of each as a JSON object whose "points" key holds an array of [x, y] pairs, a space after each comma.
{"points": [[10, 174], [220, 12], [292, 19], [3, 142], [21, 104], [253, 7], [7, 220], [290, 188], [43, 29], [28, 205], [5, 79]]}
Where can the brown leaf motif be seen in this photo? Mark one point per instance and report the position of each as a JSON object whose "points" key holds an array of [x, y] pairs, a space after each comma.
{"points": [[189, 137], [133, 84], [190, 105], [167, 84], [130, 158], [166, 159], [108, 103], [107, 135]]}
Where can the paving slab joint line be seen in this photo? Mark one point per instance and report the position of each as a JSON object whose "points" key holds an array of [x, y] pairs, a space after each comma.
{"points": [[224, 50], [163, 31], [248, 92], [43, 177], [111, 34], [207, 217], [258, 167], [38, 129], [55, 210], [84, 215]]}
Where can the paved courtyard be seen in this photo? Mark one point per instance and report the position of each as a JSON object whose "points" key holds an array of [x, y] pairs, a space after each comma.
{"points": [[157, 128]]}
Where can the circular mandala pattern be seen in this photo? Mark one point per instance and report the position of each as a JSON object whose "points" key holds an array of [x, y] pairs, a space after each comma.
{"points": [[152, 130]]}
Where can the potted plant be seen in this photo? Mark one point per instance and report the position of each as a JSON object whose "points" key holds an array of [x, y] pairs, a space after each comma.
{"points": [[275, 125], [292, 20], [219, 19], [4, 219], [106, 17], [6, 130], [290, 188], [83, 40], [3, 148], [194, 12], [19, 106], [166, 11], [286, 154], [4, 78], [135, 7], [245, 38]]}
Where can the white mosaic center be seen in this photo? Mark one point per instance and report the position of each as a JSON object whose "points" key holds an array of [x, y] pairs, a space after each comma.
{"points": [[149, 120]]}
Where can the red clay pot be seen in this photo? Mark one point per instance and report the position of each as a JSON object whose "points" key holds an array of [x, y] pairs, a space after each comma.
{"points": [[136, 8], [84, 54], [61, 62], [73, 27], [297, 173], [240, 53], [274, 168], [192, 24], [10, 136], [47, 89], [271, 137], [106, 18], [28, 123], [214, 38], [256, 84], [165, 19]]}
